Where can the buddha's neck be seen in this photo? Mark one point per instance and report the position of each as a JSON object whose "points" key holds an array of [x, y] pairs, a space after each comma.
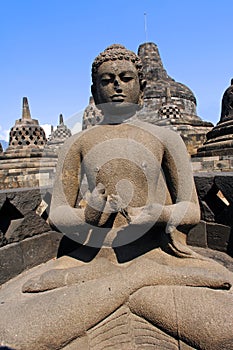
{"points": [[117, 119]]}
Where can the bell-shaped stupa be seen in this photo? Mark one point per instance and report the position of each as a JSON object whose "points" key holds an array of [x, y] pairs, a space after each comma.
{"points": [[92, 115], [169, 103], [26, 136], [220, 138], [26, 162], [59, 135]]}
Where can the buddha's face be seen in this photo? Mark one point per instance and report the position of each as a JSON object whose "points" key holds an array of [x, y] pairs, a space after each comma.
{"points": [[117, 87]]}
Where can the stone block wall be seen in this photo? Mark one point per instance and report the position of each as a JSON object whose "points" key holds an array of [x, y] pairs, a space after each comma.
{"points": [[192, 137], [215, 194], [26, 238], [25, 171], [212, 163], [23, 214]]}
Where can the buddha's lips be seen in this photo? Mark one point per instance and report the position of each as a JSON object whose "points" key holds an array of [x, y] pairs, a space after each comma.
{"points": [[118, 98]]}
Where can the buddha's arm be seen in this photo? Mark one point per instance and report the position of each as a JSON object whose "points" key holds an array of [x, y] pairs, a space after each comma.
{"points": [[63, 214], [157, 275], [184, 210], [66, 188], [177, 169]]}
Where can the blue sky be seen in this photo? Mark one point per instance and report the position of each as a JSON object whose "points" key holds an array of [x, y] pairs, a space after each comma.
{"points": [[47, 48]]}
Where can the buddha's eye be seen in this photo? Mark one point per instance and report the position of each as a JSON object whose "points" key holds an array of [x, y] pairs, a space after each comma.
{"points": [[127, 76], [126, 79], [106, 79]]}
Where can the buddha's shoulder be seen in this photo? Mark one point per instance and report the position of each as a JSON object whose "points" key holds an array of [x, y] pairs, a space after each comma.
{"points": [[98, 132], [159, 131], [78, 138]]}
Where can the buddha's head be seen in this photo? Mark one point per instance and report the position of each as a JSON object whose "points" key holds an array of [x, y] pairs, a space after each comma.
{"points": [[227, 104], [118, 82]]}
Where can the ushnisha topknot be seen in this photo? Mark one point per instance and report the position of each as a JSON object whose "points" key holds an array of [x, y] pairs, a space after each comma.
{"points": [[116, 52]]}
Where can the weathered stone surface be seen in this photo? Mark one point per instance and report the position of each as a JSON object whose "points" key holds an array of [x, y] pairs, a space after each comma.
{"points": [[23, 214], [20, 256], [225, 216], [39, 249], [221, 257], [203, 185], [225, 185], [215, 163], [215, 197], [197, 236], [206, 213], [2, 199], [32, 224], [25, 201], [8, 214], [230, 244], [11, 262], [218, 236]]}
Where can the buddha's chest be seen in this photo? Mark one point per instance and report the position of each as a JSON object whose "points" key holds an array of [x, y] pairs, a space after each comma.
{"points": [[128, 165]]}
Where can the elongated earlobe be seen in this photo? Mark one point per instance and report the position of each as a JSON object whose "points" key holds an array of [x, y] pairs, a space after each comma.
{"points": [[94, 94], [141, 96]]}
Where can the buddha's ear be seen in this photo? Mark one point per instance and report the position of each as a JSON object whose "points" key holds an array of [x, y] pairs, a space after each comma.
{"points": [[94, 94], [141, 96]]}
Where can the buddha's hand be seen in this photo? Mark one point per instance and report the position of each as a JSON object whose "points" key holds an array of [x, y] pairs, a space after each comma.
{"points": [[171, 216], [145, 272], [96, 202], [114, 204], [182, 213], [101, 206], [48, 280], [57, 278], [149, 214]]}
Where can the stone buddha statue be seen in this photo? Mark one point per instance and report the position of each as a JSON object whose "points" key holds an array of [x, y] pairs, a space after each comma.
{"points": [[227, 104], [130, 281]]}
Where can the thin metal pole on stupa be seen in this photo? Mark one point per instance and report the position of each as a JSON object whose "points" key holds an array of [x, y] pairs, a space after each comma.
{"points": [[145, 26], [61, 120]]}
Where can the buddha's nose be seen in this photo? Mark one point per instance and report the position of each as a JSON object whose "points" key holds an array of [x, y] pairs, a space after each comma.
{"points": [[117, 84]]}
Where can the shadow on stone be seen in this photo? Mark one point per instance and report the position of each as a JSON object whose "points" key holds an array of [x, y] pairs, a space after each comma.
{"points": [[76, 250], [8, 213], [230, 244]]}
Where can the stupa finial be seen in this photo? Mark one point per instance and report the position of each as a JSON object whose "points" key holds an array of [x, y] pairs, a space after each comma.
{"points": [[168, 95], [26, 111], [61, 121]]}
